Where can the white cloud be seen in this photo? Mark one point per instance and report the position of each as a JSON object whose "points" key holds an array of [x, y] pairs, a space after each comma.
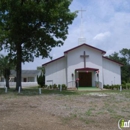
{"points": [[102, 36]]}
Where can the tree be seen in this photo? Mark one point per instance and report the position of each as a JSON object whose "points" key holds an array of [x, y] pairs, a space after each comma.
{"points": [[30, 28], [5, 67], [125, 56], [41, 80]]}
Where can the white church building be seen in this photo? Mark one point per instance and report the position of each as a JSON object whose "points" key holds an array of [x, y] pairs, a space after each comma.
{"points": [[85, 62]]}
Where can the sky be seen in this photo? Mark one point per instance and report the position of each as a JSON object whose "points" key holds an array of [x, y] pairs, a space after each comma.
{"points": [[106, 25]]}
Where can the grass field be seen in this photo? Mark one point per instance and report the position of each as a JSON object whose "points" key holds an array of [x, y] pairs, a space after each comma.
{"points": [[72, 110], [89, 89]]}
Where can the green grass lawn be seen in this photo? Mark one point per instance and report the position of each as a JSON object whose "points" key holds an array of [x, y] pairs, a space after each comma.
{"points": [[89, 89], [33, 91]]}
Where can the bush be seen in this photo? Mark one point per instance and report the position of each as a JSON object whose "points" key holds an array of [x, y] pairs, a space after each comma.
{"points": [[123, 86], [107, 86], [58, 86], [117, 87], [112, 87], [64, 87], [46, 86], [55, 86], [128, 86], [123, 83], [50, 86], [41, 80]]}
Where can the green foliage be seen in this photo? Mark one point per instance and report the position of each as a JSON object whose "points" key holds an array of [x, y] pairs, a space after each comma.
{"points": [[128, 86], [50, 86], [58, 86], [113, 87], [123, 82], [41, 80], [5, 67], [55, 86], [64, 87]]}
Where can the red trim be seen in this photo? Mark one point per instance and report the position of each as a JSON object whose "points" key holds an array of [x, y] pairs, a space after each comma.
{"points": [[87, 69], [103, 52], [113, 60], [53, 60]]}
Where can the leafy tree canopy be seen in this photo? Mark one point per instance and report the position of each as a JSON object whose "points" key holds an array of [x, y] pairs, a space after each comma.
{"points": [[36, 25], [30, 28]]}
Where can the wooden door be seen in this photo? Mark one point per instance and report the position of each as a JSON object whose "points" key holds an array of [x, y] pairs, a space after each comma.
{"points": [[85, 79]]}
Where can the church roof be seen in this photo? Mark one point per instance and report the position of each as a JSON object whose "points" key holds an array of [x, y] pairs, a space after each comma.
{"points": [[112, 60], [103, 52], [53, 60]]}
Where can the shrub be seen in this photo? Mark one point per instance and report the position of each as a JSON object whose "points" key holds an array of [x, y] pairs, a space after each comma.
{"points": [[41, 80], [123, 83], [107, 86], [54, 86], [117, 87], [50, 86], [112, 87], [64, 87], [123, 86], [46, 86], [128, 86], [58, 86]]}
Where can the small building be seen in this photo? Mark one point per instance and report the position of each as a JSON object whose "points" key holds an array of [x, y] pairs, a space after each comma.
{"points": [[27, 75], [29, 78]]}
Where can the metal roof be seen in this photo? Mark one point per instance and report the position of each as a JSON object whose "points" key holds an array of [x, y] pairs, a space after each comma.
{"points": [[26, 72]]}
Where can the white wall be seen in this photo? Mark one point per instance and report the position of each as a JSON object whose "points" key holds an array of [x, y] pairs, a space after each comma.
{"points": [[111, 72], [74, 61], [55, 71], [24, 84]]}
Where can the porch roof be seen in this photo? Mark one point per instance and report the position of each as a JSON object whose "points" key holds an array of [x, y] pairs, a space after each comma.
{"points": [[86, 69]]}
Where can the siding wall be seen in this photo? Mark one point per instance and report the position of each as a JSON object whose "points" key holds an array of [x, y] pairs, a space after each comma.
{"points": [[55, 72], [112, 72]]}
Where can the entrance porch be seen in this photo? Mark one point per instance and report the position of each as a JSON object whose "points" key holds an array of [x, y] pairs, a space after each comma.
{"points": [[88, 77]]}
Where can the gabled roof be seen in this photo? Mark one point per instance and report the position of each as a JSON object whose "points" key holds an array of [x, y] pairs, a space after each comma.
{"points": [[53, 60], [113, 60], [84, 44]]}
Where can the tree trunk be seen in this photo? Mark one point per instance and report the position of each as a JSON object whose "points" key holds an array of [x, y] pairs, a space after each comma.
{"points": [[7, 81], [18, 66], [6, 76]]}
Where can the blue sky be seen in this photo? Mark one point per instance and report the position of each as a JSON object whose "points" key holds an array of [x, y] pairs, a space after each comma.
{"points": [[106, 26]]}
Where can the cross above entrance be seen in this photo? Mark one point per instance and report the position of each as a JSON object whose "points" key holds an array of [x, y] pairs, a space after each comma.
{"points": [[84, 56]]}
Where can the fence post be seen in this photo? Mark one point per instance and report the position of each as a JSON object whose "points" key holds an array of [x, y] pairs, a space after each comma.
{"points": [[19, 89], [60, 87], [120, 88], [40, 91], [6, 89]]}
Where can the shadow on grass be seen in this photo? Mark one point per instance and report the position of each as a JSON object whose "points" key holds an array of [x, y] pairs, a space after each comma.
{"points": [[34, 92]]}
